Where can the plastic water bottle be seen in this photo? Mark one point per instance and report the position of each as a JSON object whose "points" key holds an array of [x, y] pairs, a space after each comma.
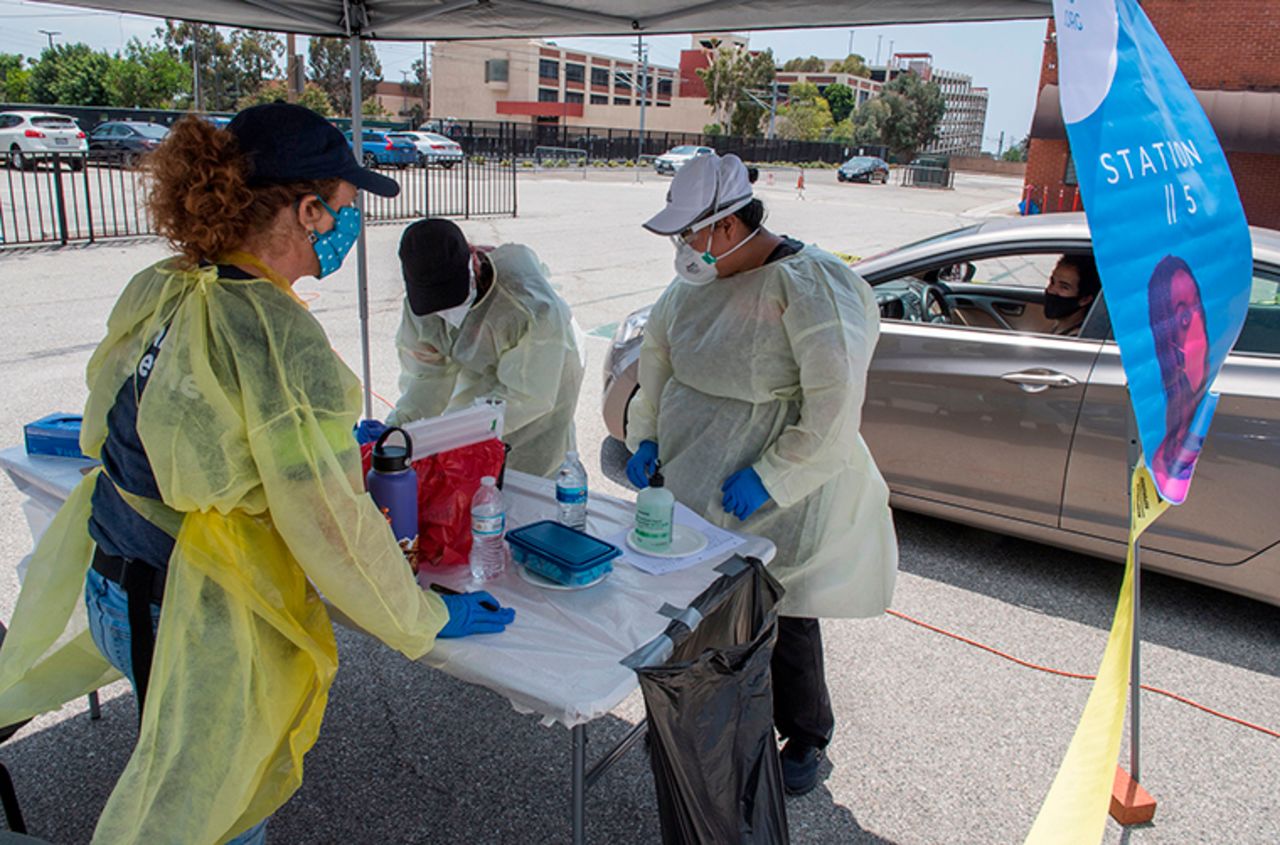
{"points": [[488, 529], [571, 492]]}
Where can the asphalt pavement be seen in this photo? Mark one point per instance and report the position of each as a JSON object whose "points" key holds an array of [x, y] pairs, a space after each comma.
{"points": [[936, 741]]}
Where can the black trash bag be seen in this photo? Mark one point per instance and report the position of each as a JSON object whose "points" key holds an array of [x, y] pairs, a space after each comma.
{"points": [[710, 709]]}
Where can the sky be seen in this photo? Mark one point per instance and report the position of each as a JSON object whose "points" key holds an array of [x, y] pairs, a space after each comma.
{"points": [[1004, 57]]}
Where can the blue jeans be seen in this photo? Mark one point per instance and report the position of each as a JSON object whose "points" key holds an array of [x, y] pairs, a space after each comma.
{"points": [[108, 607]]}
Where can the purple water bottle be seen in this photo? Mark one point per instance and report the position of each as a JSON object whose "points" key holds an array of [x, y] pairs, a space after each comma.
{"points": [[394, 487]]}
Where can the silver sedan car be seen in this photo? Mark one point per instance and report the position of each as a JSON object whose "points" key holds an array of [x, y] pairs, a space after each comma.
{"points": [[977, 413]]}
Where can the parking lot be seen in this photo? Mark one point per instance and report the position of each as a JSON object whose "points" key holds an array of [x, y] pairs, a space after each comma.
{"points": [[936, 741]]}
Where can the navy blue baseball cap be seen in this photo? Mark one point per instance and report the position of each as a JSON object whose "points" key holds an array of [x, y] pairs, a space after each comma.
{"points": [[436, 261], [289, 143]]}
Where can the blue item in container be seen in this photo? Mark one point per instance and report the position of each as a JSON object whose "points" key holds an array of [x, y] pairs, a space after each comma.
{"points": [[561, 554], [56, 434]]}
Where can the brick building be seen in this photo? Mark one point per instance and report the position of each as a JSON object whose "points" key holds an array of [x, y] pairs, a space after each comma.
{"points": [[1229, 51]]}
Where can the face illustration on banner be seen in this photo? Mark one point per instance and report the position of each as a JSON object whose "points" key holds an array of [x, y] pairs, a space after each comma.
{"points": [[1180, 331]]}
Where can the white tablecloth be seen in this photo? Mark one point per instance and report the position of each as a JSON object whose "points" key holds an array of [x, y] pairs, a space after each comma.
{"points": [[561, 657]]}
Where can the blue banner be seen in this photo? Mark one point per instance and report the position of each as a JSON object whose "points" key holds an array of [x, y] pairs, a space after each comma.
{"points": [[1169, 233]]}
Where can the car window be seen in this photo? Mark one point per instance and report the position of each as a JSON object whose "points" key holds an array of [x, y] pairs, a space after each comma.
{"points": [[106, 130], [683, 150], [7, 121], [53, 122], [1022, 271], [151, 130], [1261, 332]]}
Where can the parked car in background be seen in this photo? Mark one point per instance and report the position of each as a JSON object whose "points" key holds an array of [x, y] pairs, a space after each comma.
{"points": [[677, 157], [864, 169], [28, 136], [126, 140], [380, 149], [976, 412], [217, 120], [432, 148]]}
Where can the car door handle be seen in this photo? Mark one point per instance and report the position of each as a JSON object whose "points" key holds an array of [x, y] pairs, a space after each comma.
{"points": [[1040, 379]]}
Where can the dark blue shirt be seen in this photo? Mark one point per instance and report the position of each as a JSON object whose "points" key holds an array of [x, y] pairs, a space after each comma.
{"points": [[115, 526]]}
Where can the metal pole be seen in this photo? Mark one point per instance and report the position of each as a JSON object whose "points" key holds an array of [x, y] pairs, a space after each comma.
{"points": [[426, 96], [1135, 670], [579, 784], [292, 89], [644, 97], [196, 99], [773, 109], [362, 254]]}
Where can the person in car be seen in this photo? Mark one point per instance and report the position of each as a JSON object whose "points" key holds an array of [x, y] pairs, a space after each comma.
{"points": [[1073, 285]]}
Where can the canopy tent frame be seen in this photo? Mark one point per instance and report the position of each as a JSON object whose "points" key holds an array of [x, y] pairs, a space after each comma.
{"points": [[358, 21]]}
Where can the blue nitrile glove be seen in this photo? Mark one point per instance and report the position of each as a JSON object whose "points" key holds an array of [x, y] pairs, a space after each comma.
{"points": [[468, 615], [368, 431], [744, 493], [642, 464]]}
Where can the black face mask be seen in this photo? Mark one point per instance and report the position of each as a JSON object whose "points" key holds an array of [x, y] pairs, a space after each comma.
{"points": [[1056, 307]]}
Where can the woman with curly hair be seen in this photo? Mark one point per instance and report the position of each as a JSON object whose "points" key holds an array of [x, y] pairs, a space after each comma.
{"points": [[230, 485]]}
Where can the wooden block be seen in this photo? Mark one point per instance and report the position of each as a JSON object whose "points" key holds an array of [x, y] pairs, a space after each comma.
{"points": [[1130, 803]]}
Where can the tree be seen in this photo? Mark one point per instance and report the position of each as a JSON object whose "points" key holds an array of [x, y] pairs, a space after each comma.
{"points": [[255, 58], [916, 109], [813, 64], [738, 83], [374, 109], [713, 130], [869, 121], [15, 79], [854, 65], [147, 76], [1018, 152], [275, 91], [806, 116], [330, 64], [71, 75], [203, 46], [841, 99]]}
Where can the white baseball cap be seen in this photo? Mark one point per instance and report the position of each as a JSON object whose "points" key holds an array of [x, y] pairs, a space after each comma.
{"points": [[708, 186]]}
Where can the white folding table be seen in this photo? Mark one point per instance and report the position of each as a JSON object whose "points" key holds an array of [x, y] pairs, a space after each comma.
{"points": [[562, 658]]}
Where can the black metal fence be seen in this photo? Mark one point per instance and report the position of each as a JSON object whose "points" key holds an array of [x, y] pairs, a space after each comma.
{"points": [[61, 198], [524, 140], [915, 176]]}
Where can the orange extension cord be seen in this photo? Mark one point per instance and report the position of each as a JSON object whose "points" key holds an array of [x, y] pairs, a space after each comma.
{"points": [[1077, 675]]}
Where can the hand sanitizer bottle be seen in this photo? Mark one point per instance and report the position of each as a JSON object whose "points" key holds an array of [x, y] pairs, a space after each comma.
{"points": [[655, 512]]}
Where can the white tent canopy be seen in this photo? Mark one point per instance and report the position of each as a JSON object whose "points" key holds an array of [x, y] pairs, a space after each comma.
{"points": [[442, 20]]}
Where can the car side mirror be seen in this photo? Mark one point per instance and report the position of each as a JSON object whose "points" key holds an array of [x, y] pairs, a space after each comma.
{"points": [[963, 272]]}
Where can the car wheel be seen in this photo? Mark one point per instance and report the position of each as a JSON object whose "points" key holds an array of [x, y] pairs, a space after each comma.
{"points": [[19, 161], [884, 178], [76, 164], [447, 164], [370, 160], [129, 160]]}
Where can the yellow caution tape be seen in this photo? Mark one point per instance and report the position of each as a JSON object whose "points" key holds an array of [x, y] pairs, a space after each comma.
{"points": [[1075, 810]]}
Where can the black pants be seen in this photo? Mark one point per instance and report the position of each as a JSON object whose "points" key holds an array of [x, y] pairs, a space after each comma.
{"points": [[801, 703]]}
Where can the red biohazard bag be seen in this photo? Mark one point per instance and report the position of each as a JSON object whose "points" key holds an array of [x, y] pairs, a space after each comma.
{"points": [[446, 484]]}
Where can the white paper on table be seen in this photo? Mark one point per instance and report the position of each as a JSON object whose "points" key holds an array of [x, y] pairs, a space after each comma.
{"points": [[719, 543]]}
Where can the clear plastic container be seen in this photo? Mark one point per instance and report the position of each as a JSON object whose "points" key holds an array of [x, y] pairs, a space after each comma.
{"points": [[488, 525], [562, 554], [571, 492]]}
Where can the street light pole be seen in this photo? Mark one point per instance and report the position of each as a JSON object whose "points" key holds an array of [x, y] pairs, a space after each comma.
{"points": [[49, 33], [644, 97]]}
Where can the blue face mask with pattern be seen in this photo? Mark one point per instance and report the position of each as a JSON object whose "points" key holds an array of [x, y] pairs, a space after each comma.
{"points": [[331, 247]]}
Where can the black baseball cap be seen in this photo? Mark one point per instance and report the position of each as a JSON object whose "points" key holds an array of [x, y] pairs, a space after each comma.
{"points": [[290, 143], [436, 261]]}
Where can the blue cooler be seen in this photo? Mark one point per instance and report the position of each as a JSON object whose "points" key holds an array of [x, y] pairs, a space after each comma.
{"points": [[561, 554], [56, 435]]}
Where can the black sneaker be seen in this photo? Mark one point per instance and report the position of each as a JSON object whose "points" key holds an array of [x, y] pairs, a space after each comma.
{"points": [[800, 767]]}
